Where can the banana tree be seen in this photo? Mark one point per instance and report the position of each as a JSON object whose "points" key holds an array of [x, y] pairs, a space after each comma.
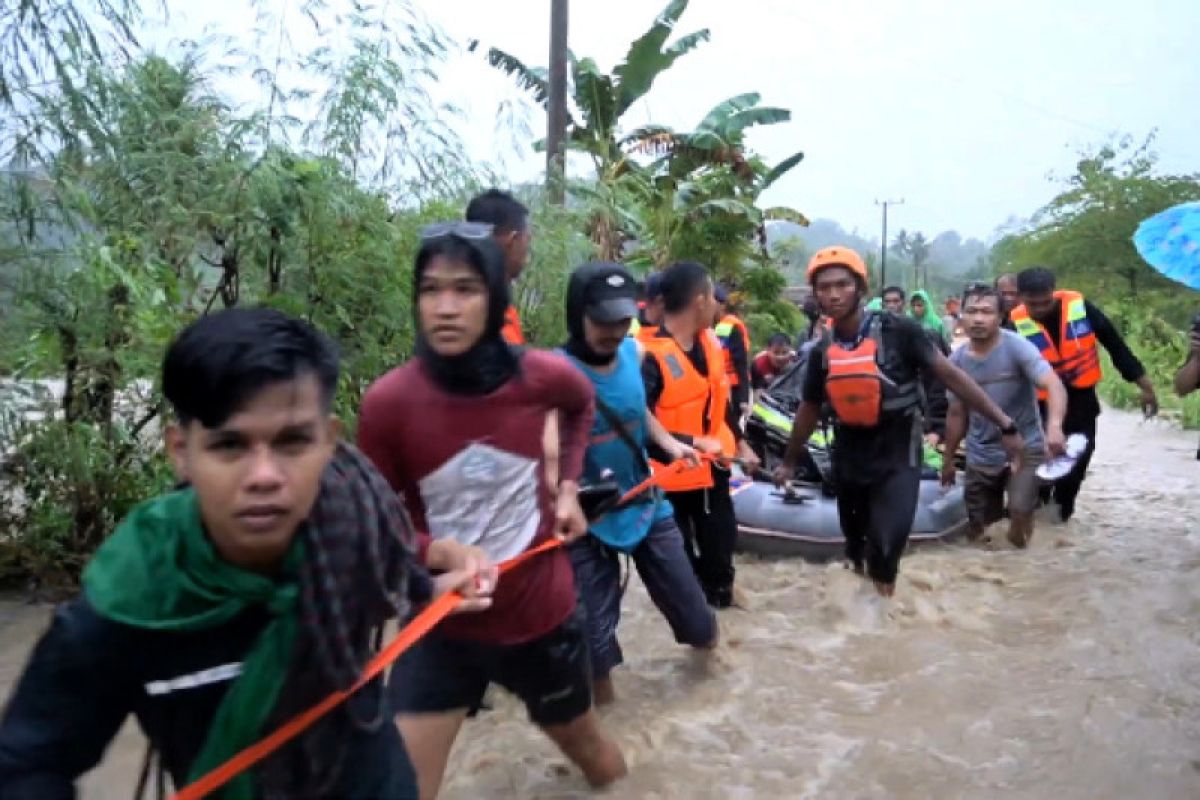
{"points": [[601, 99], [719, 139]]}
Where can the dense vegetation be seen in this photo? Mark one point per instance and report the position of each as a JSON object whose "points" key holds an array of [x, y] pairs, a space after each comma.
{"points": [[135, 197], [1085, 234]]}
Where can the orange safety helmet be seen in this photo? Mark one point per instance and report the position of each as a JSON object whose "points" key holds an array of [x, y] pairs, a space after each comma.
{"points": [[837, 256]]}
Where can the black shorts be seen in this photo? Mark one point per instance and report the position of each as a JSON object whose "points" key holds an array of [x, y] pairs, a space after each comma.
{"points": [[551, 674]]}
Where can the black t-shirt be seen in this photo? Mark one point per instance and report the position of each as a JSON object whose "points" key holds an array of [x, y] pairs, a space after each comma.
{"points": [[862, 455]]}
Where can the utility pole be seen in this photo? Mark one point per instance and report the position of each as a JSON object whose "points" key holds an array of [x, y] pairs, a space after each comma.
{"points": [[883, 259], [556, 112]]}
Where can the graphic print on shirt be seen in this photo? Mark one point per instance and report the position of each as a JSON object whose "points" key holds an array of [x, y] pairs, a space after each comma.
{"points": [[485, 497]]}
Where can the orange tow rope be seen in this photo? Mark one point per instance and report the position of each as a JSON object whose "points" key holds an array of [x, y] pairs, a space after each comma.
{"points": [[420, 625]]}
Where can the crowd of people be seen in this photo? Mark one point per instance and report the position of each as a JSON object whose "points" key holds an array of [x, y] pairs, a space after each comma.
{"points": [[262, 582]]}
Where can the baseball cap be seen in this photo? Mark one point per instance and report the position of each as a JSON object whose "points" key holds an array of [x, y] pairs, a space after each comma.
{"points": [[653, 286], [721, 293], [610, 295]]}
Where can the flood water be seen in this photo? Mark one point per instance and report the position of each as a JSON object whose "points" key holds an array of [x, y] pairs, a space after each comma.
{"points": [[1071, 670]]}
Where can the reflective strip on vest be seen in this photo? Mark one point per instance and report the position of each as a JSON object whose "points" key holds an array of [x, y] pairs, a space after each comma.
{"points": [[776, 420], [725, 329]]}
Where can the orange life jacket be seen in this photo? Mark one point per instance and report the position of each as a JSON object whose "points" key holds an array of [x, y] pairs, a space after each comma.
{"points": [[646, 333], [728, 327], [858, 390], [511, 332], [692, 403], [1076, 358]]}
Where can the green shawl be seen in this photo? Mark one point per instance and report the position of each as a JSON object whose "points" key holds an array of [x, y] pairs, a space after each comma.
{"points": [[159, 571]]}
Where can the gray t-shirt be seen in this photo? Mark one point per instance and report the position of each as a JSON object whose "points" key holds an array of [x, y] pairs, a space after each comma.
{"points": [[1009, 375]]}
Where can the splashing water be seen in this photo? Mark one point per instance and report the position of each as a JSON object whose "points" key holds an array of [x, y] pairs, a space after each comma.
{"points": [[1069, 670]]}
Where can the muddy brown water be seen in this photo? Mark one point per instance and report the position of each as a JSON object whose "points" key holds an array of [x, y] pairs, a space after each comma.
{"points": [[1071, 670]]}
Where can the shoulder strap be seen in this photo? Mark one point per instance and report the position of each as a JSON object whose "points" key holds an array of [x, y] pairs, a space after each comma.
{"points": [[614, 422], [875, 333]]}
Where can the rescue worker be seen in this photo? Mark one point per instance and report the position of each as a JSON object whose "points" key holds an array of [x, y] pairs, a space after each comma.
{"points": [[735, 342], [686, 388], [510, 230], [1066, 329], [868, 368]]}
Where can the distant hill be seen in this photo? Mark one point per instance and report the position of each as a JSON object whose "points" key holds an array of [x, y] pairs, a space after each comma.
{"points": [[821, 233], [952, 259]]}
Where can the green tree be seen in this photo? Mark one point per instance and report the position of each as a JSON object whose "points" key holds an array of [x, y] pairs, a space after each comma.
{"points": [[172, 203], [1084, 234]]}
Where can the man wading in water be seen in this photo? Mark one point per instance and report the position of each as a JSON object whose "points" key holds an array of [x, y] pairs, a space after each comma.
{"points": [[458, 431], [1069, 330], [218, 611], [686, 388], [1011, 371], [868, 368], [600, 309]]}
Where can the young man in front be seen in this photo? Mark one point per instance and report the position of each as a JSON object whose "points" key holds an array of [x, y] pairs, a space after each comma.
{"points": [[216, 612], [509, 219], [868, 369], [458, 431], [600, 309], [1012, 372], [686, 388]]}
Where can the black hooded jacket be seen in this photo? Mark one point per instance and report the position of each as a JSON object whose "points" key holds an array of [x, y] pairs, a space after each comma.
{"points": [[491, 361]]}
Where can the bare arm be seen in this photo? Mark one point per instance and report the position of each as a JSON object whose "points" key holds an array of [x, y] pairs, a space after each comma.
{"points": [[956, 429], [807, 417], [1188, 376], [662, 438]]}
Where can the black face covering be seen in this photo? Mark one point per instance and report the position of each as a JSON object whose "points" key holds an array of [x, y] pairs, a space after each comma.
{"points": [[490, 362], [577, 298]]}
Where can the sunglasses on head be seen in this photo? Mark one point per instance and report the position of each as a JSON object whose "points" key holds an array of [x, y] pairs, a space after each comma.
{"points": [[461, 230]]}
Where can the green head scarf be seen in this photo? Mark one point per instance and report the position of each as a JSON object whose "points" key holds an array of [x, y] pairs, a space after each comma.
{"points": [[929, 320]]}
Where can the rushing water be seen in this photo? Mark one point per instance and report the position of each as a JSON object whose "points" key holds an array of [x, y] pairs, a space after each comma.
{"points": [[1071, 670]]}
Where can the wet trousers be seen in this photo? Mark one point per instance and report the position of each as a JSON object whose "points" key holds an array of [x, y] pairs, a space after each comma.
{"points": [[876, 519], [705, 517]]}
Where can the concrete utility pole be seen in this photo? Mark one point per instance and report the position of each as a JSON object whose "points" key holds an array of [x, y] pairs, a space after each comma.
{"points": [[556, 112], [883, 259]]}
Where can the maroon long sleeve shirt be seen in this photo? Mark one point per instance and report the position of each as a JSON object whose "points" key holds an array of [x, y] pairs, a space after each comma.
{"points": [[474, 469]]}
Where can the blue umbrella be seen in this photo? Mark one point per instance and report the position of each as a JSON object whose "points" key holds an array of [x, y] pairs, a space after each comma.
{"points": [[1170, 242]]}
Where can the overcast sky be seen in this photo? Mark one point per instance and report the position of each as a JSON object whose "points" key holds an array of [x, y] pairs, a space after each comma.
{"points": [[964, 109]]}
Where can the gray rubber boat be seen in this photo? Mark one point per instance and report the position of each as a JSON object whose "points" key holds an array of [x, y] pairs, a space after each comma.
{"points": [[804, 522]]}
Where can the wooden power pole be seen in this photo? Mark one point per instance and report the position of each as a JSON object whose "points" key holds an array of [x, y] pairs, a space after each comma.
{"points": [[557, 110]]}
